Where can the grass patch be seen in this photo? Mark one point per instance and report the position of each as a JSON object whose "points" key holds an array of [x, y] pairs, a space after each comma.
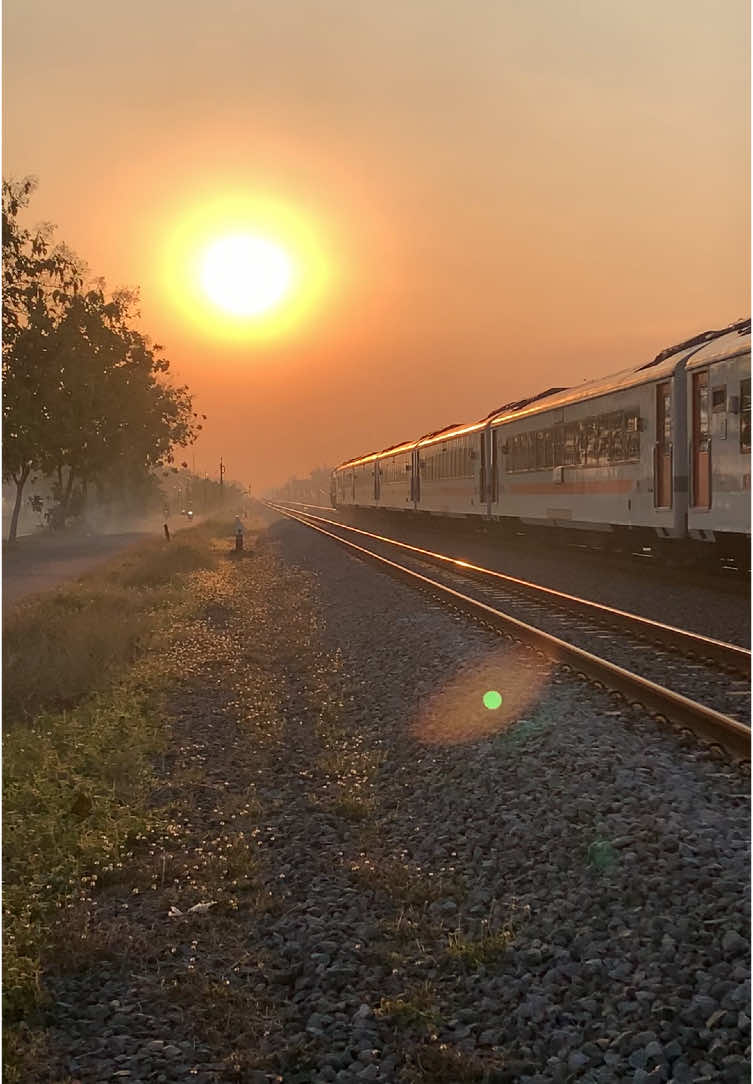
{"points": [[416, 1009], [439, 1064], [85, 670], [352, 807], [493, 940], [60, 647], [407, 885], [163, 561], [479, 950]]}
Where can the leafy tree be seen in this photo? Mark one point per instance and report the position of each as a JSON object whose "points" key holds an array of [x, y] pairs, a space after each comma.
{"points": [[86, 395], [37, 281]]}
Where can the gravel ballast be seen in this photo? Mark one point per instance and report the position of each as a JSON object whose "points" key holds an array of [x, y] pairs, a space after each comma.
{"points": [[714, 606], [402, 885]]}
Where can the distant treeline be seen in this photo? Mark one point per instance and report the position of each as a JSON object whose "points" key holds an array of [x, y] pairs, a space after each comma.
{"points": [[314, 488], [87, 405]]}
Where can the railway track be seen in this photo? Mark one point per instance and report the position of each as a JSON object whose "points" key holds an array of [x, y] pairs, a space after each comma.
{"points": [[693, 681]]}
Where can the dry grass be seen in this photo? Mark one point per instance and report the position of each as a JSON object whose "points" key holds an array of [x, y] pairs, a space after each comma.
{"points": [[440, 1064], [60, 647], [479, 950], [85, 672], [416, 1009]]}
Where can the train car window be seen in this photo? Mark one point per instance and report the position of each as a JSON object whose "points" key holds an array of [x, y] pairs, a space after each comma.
{"points": [[393, 470], [513, 459], [571, 457], [667, 414], [633, 437], [558, 445], [618, 451], [522, 460], [745, 415], [589, 445], [549, 448], [540, 449], [464, 457], [719, 398], [607, 425], [597, 441], [703, 407]]}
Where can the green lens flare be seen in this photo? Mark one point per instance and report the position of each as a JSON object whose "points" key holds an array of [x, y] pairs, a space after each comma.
{"points": [[492, 700]]}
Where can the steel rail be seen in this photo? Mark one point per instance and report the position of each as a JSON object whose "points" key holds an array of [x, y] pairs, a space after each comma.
{"points": [[664, 704], [731, 656]]}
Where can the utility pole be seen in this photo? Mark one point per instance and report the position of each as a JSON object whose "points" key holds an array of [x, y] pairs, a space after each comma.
{"points": [[222, 474]]}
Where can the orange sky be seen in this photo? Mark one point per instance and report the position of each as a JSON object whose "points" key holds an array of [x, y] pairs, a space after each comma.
{"points": [[504, 195]]}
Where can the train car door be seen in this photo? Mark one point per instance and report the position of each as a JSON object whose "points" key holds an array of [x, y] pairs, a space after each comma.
{"points": [[377, 477], [494, 460], [415, 477], [701, 442], [482, 474], [663, 447], [489, 483]]}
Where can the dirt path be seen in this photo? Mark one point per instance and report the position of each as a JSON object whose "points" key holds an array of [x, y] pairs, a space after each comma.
{"points": [[40, 562]]}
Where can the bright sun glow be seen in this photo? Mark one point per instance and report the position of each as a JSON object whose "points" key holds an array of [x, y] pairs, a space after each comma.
{"points": [[246, 275], [247, 267]]}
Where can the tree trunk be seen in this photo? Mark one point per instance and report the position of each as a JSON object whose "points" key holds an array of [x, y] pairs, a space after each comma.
{"points": [[20, 483], [68, 490]]}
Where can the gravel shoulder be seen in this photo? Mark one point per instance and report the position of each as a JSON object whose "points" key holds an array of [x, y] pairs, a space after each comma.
{"points": [[362, 874]]}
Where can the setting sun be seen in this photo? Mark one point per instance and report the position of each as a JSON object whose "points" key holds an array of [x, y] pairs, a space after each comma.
{"points": [[245, 267], [246, 275]]}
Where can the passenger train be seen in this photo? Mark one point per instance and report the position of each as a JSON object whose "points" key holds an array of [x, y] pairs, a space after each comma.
{"points": [[657, 455]]}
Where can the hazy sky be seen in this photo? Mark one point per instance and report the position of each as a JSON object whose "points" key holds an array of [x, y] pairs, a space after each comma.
{"points": [[489, 197]]}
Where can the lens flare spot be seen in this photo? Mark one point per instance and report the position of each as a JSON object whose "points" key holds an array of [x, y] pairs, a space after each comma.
{"points": [[455, 712]]}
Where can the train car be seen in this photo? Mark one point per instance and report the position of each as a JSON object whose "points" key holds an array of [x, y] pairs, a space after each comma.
{"points": [[598, 457], [377, 480], [447, 467], [396, 478], [626, 455], [718, 448]]}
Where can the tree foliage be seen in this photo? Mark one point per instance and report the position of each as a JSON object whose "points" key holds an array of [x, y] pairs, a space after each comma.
{"points": [[85, 394]]}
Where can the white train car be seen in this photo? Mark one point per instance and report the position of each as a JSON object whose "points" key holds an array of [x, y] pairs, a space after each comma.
{"points": [[718, 448], [377, 480], [599, 457], [448, 465], [395, 478]]}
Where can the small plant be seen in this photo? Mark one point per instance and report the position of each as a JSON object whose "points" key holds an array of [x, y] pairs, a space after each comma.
{"points": [[414, 1009], [475, 951], [352, 807], [439, 1064], [493, 940]]}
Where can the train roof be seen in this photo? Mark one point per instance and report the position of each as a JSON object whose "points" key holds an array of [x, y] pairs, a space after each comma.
{"points": [[392, 449], [457, 430], [698, 350], [729, 345], [592, 389]]}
